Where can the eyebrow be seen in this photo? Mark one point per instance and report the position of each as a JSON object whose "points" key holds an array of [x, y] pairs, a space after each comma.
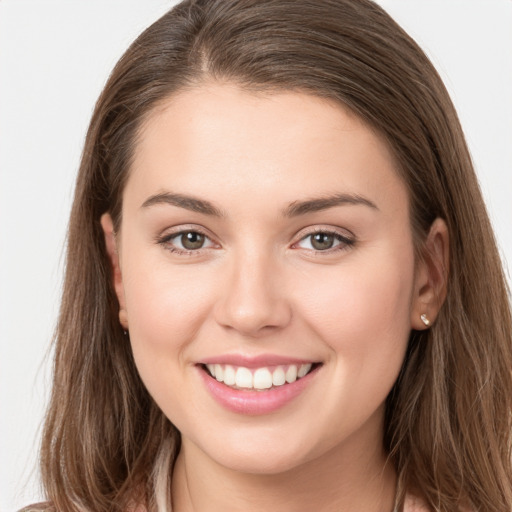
{"points": [[294, 209], [183, 201], [297, 208]]}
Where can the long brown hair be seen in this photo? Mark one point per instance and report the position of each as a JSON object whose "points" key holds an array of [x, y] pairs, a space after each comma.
{"points": [[106, 445]]}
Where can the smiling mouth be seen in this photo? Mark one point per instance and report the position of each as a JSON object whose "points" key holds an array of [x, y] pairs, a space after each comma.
{"points": [[258, 379]]}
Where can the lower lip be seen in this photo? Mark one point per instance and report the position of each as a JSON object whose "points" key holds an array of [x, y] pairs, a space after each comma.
{"points": [[253, 402]]}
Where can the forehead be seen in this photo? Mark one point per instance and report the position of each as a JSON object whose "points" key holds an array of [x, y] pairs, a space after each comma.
{"points": [[220, 140]]}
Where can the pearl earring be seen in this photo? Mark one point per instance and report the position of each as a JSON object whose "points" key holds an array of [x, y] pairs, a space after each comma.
{"points": [[425, 320]]}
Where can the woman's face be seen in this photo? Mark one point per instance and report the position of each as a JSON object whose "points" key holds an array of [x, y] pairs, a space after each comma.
{"points": [[264, 237]]}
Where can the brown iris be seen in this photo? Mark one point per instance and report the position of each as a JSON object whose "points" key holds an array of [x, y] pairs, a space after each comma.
{"points": [[192, 240], [322, 241]]}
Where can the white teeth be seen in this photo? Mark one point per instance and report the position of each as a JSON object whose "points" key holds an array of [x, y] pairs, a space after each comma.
{"points": [[219, 373], [229, 375], [278, 377], [243, 378], [260, 378], [303, 370], [291, 374]]}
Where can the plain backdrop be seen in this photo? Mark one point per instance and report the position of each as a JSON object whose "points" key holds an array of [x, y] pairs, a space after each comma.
{"points": [[54, 59]]}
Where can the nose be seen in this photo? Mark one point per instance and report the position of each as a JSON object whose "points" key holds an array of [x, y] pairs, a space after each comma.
{"points": [[253, 301]]}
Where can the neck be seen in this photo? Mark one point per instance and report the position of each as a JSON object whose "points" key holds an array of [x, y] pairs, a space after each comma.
{"points": [[347, 479]]}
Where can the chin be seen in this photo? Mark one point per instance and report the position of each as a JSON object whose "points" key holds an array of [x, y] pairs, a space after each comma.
{"points": [[261, 454], [262, 463]]}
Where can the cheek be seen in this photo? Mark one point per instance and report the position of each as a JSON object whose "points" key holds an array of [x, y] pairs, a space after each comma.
{"points": [[363, 316], [363, 311], [166, 309], [166, 306]]}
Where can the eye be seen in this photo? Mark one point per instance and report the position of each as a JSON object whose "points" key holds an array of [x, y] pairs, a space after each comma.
{"points": [[186, 241], [324, 241], [191, 240]]}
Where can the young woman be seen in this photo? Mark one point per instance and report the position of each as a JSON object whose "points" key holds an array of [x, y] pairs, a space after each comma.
{"points": [[282, 288]]}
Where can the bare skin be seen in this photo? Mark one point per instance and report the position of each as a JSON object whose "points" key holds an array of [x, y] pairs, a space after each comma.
{"points": [[261, 226]]}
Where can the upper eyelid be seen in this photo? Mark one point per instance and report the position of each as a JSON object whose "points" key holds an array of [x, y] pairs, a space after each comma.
{"points": [[172, 232], [331, 230], [346, 239], [166, 240]]}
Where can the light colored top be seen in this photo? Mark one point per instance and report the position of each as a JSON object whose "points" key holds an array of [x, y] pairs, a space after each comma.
{"points": [[414, 504]]}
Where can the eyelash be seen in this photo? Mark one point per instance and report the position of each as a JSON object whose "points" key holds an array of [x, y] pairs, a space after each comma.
{"points": [[344, 244], [166, 242]]}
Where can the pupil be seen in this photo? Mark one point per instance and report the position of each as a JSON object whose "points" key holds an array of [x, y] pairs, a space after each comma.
{"points": [[192, 240], [322, 241]]}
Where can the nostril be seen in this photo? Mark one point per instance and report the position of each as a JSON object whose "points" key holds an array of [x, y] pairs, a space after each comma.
{"points": [[254, 321]]}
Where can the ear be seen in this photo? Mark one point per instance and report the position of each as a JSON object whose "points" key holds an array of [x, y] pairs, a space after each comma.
{"points": [[111, 244], [431, 277]]}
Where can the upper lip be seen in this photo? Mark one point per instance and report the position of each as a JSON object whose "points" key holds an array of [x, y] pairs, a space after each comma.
{"points": [[255, 361]]}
